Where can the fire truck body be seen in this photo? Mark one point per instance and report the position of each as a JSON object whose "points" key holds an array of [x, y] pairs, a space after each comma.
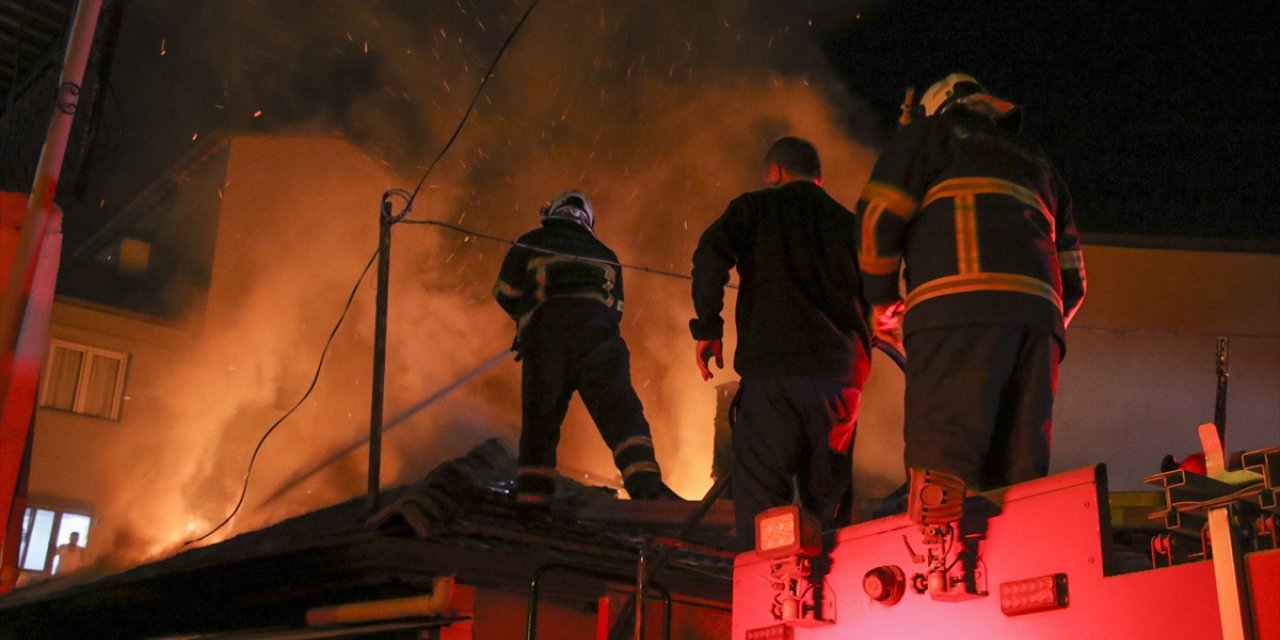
{"points": [[1044, 560]]}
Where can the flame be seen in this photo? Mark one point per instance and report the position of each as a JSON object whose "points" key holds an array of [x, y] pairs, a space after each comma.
{"points": [[660, 125]]}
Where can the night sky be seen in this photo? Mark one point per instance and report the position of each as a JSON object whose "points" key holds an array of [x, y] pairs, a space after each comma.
{"points": [[1160, 115]]}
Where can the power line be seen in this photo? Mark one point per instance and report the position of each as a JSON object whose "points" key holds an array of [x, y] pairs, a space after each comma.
{"points": [[244, 489], [408, 198], [572, 256], [471, 107], [1195, 334]]}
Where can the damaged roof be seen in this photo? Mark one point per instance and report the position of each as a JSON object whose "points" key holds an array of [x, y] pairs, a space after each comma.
{"points": [[460, 521]]}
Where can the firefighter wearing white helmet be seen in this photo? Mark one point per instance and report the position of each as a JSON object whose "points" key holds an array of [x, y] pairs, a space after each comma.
{"points": [[985, 222], [563, 287], [964, 91], [572, 205]]}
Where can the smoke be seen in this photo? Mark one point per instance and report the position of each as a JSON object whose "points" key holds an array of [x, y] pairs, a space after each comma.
{"points": [[660, 112]]}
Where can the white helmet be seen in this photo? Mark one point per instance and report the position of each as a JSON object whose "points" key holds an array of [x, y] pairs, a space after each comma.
{"points": [[964, 89], [942, 94], [571, 205]]}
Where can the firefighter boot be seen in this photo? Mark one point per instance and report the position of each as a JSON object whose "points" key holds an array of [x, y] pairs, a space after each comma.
{"points": [[649, 486], [535, 487]]}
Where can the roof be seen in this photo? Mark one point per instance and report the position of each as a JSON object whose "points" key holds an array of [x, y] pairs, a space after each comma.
{"points": [[30, 37], [460, 520]]}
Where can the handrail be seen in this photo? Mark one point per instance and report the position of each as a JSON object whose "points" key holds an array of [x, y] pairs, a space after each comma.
{"points": [[531, 621], [651, 569]]}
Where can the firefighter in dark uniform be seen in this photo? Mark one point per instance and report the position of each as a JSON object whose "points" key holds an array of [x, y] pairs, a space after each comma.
{"points": [[563, 287], [993, 276], [803, 338]]}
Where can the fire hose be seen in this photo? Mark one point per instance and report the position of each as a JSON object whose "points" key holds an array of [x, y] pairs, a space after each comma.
{"points": [[399, 419], [653, 567]]}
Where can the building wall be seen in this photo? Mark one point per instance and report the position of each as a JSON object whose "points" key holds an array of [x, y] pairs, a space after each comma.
{"points": [[63, 464], [271, 205], [1139, 373]]}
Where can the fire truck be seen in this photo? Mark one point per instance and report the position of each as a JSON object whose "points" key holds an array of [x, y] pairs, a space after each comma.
{"points": [[1043, 559]]}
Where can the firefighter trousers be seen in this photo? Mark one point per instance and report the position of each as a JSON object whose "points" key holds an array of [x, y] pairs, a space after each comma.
{"points": [[782, 446], [570, 346], [979, 402]]}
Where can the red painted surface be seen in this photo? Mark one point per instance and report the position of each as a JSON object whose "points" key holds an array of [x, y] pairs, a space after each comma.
{"points": [[1263, 569], [1044, 527]]}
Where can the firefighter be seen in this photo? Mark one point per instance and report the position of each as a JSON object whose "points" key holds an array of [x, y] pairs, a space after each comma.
{"points": [[993, 277], [563, 287], [803, 338]]}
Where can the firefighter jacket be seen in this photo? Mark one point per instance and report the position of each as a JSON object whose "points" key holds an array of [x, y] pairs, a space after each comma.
{"points": [[558, 260], [800, 307], [983, 222]]}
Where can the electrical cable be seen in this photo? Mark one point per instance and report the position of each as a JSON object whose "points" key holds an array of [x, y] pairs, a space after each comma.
{"points": [[471, 107], [409, 199], [571, 256], [387, 426], [244, 490], [1197, 334]]}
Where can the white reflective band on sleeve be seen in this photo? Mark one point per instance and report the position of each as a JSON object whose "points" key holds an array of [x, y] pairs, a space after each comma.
{"points": [[640, 467], [633, 441]]}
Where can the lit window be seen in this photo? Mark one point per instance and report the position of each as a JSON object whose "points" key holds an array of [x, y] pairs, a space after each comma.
{"points": [[43, 531], [84, 380]]}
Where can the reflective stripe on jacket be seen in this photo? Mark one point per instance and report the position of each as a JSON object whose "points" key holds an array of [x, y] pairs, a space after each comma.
{"points": [[983, 222]]}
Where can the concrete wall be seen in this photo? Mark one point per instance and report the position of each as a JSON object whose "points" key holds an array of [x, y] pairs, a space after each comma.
{"points": [[1139, 375], [165, 431], [65, 468]]}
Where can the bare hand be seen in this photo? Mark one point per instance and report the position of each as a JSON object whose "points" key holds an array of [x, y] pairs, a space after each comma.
{"points": [[886, 320], [705, 350]]}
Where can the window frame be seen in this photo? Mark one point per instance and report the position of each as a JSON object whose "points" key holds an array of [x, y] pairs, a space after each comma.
{"points": [[55, 533], [82, 380]]}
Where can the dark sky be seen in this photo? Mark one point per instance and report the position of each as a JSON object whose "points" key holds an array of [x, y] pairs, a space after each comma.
{"points": [[1160, 115]]}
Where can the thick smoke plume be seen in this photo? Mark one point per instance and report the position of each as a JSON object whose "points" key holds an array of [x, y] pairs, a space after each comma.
{"points": [[660, 112]]}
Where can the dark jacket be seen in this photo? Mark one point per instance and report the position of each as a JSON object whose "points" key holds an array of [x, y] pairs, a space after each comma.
{"points": [[983, 221], [800, 308], [531, 278]]}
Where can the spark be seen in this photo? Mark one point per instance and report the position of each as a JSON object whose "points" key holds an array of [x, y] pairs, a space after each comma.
{"points": [[257, 113], [162, 51], [366, 46], [195, 135]]}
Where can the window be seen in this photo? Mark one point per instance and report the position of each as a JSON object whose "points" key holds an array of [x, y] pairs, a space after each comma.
{"points": [[130, 256], [43, 530], [83, 380]]}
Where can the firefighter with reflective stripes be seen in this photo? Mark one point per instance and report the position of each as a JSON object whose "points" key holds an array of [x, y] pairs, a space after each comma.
{"points": [[563, 287], [993, 275]]}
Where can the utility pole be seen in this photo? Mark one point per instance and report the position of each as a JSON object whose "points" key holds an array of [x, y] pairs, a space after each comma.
{"points": [[29, 288]]}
